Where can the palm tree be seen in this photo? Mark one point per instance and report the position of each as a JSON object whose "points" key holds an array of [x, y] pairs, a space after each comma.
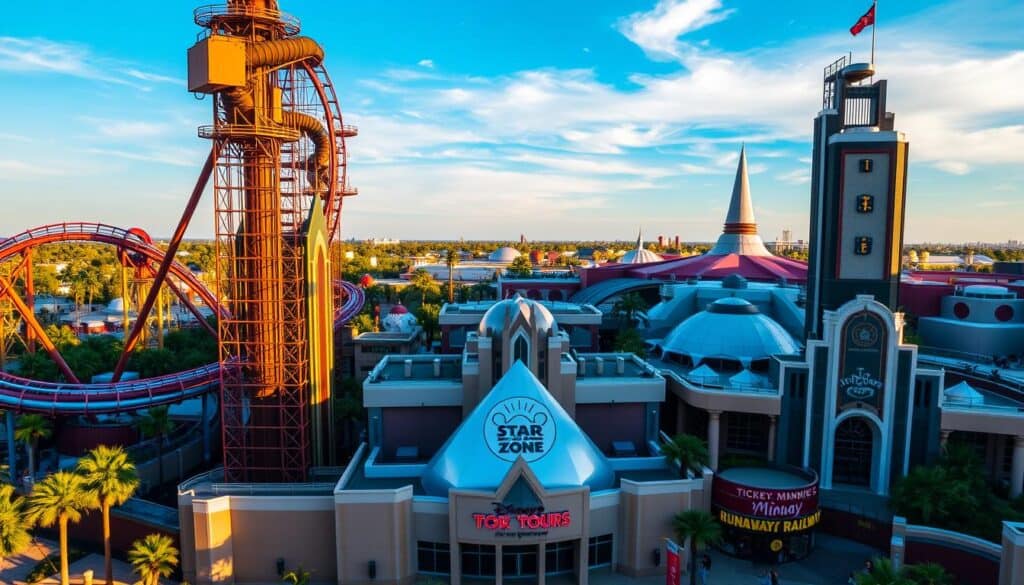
{"points": [[451, 260], [14, 534], [882, 573], [153, 557], [296, 577], [687, 451], [428, 316], [157, 424], [701, 528], [110, 475], [59, 499], [928, 574], [423, 282], [628, 306], [31, 428]]}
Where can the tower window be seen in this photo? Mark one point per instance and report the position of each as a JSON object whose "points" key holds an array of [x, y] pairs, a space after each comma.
{"points": [[865, 203], [862, 245], [865, 165]]}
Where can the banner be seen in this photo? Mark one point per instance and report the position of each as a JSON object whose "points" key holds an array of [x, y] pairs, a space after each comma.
{"points": [[672, 551]]}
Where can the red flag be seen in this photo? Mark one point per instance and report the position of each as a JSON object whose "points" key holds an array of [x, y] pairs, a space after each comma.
{"points": [[863, 22]]}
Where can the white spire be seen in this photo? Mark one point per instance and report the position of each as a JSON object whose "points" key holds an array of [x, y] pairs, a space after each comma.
{"points": [[739, 235]]}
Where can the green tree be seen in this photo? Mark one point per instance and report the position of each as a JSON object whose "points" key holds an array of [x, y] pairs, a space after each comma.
{"points": [[38, 366], [59, 499], [928, 574], [111, 477], [153, 557], [688, 451], [62, 336], [29, 430], [520, 268], [628, 306], [630, 341], [156, 424], [296, 576], [451, 260], [428, 315], [363, 323], [482, 291], [882, 573], [701, 529], [14, 527], [422, 282], [928, 495]]}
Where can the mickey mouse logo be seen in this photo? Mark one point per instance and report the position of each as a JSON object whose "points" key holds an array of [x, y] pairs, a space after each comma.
{"points": [[519, 427]]}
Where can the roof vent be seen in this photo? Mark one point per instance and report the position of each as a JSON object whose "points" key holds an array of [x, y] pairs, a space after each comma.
{"points": [[582, 370], [620, 365], [408, 368], [437, 367], [734, 281], [599, 365]]}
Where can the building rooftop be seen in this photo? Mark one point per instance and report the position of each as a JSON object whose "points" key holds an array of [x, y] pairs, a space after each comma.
{"points": [[417, 367]]}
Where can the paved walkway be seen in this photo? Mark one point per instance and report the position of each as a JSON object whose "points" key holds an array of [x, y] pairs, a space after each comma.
{"points": [[16, 569]]}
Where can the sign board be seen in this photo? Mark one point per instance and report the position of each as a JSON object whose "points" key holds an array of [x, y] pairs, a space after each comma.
{"points": [[672, 564], [766, 503], [519, 427], [862, 361]]}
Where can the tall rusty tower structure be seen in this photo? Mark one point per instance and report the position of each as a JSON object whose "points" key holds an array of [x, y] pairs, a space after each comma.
{"points": [[278, 182]]}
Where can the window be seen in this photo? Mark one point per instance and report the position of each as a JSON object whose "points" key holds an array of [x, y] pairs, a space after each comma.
{"points": [[433, 557], [862, 245], [865, 165], [559, 557], [520, 348], [477, 560], [746, 432], [600, 550], [865, 203]]}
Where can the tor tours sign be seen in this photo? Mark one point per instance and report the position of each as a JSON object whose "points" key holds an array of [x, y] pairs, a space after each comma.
{"points": [[519, 427], [862, 358]]}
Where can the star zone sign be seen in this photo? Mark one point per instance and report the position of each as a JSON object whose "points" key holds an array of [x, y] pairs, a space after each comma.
{"points": [[519, 427]]}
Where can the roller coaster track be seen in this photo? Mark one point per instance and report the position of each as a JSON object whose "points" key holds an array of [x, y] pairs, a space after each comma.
{"points": [[26, 395]]}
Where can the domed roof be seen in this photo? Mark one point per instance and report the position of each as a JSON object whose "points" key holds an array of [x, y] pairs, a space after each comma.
{"points": [[503, 313], [115, 305], [398, 309], [504, 254], [517, 418], [639, 254], [730, 328]]}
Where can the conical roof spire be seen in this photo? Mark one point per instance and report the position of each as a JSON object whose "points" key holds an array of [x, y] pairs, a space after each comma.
{"points": [[739, 235], [740, 219]]}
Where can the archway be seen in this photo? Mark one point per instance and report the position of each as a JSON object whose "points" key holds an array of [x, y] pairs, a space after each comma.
{"points": [[854, 452]]}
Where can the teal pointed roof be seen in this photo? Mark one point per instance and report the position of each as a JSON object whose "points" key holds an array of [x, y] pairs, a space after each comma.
{"points": [[517, 419]]}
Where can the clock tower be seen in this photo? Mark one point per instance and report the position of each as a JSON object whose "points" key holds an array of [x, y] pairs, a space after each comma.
{"points": [[858, 185]]}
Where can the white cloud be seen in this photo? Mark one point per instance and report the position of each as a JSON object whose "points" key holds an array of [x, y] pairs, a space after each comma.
{"points": [[591, 166], [953, 167], [428, 63], [657, 32], [795, 177], [126, 129], [16, 169], [39, 55]]}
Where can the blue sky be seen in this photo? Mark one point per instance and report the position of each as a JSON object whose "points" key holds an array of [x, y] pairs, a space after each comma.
{"points": [[557, 119]]}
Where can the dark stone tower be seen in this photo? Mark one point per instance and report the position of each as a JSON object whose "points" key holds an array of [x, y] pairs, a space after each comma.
{"points": [[858, 185]]}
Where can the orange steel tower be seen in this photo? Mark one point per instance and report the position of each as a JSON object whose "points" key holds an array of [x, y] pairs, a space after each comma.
{"points": [[279, 179]]}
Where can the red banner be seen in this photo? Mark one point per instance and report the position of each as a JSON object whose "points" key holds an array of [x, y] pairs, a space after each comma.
{"points": [[672, 551], [765, 502]]}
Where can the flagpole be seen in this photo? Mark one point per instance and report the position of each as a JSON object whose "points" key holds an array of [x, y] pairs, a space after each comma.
{"points": [[874, 27]]}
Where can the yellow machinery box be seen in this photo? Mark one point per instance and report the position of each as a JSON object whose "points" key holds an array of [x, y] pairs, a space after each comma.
{"points": [[216, 63]]}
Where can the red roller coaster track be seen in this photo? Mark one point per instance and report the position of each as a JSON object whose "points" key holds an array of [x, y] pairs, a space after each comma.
{"points": [[25, 395]]}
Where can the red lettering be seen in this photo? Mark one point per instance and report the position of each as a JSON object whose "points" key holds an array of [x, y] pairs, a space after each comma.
{"points": [[566, 519], [533, 521], [479, 518], [521, 519], [505, 519], [554, 520]]}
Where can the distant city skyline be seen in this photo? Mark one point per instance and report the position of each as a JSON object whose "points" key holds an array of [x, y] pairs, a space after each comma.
{"points": [[562, 121]]}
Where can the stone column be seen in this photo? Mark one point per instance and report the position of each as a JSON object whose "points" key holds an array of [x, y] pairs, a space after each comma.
{"points": [[497, 564], [944, 438], [1017, 470], [714, 426], [541, 564], [771, 438]]}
